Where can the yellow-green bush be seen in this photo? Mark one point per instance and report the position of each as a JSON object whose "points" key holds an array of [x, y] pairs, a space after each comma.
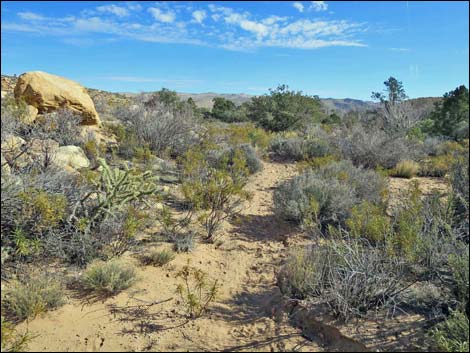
{"points": [[158, 257], [405, 169], [108, 277], [316, 163], [197, 290], [408, 223], [12, 340], [24, 300], [369, 221], [43, 210], [452, 335], [437, 166], [216, 194]]}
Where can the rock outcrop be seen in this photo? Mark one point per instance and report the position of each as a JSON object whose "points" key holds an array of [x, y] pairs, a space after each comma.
{"points": [[47, 93], [71, 157]]}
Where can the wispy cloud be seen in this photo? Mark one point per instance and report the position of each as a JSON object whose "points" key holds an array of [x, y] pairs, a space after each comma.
{"points": [[318, 6], [159, 15], [299, 6], [211, 25], [402, 50], [114, 9], [199, 15], [31, 16]]}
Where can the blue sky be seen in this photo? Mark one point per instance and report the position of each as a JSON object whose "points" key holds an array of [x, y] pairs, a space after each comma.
{"points": [[327, 48]]}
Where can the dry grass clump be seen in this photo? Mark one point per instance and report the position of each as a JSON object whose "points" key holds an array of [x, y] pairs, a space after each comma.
{"points": [[406, 169]]}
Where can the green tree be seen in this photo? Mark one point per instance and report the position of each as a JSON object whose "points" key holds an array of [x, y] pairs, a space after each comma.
{"points": [[394, 92], [225, 110], [450, 116], [284, 109]]}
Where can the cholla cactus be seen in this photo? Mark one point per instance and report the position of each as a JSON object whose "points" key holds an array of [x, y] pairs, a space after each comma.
{"points": [[116, 187]]}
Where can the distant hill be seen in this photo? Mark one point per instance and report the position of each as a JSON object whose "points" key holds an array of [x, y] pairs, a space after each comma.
{"points": [[204, 100]]}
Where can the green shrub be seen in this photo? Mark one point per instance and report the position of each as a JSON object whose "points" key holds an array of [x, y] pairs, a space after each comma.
{"points": [[197, 290], [452, 334], [25, 300], [158, 258], [406, 169], [437, 166], [369, 221], [108, 277], [41, 210], [12, 340], [216, 194], [459, 267]]}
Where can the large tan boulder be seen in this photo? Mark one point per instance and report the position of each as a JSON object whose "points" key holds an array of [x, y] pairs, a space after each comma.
{"points": [[48, 93], [71, 157]]}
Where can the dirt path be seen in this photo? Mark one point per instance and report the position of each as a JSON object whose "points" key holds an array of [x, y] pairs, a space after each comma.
{"points": [[242, 318]]}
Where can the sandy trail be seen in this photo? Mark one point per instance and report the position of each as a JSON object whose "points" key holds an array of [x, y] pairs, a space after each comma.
{"points": [[241, 319]]}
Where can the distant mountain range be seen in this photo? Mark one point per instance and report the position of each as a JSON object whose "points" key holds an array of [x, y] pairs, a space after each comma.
{"points": [[204, 100]]}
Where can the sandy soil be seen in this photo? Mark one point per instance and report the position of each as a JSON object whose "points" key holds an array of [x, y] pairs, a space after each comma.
{"points": [[242, 319]]}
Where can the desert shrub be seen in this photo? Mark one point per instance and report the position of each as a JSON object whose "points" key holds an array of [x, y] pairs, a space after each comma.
{"points": [[327, 195], [369, 221], [299, 149], [184, 242], [25, 300], [116, 234], [316, 163], [349, 276], [165, 126], [459, 266], [460, 192], [197, 290], [373, 147], [93, 149], [158, 258], [62, 125], [436, 240], [302, 275], [406, 169], [11, 122], [238, 134], [108, 277], [11, 339], [433, 145], [437, 166], [224, 158], [451, 335], [215, 193], [41, 210]]}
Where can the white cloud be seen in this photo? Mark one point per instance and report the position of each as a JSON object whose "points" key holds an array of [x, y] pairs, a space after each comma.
{"points": [[199, 16], [231, 29], [400, 49], [159, 15], [31, 16], [113, 9], [299, 6], [319, 6]]}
